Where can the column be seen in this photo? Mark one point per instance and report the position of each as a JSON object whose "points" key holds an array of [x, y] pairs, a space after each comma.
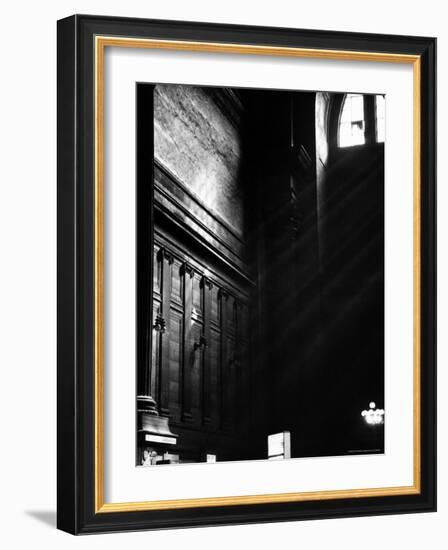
{"points": [[207, 286], [187, 354], [164, 367]]}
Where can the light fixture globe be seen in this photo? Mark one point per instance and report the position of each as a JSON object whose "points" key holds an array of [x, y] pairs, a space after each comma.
{"points": [[373, 416]]}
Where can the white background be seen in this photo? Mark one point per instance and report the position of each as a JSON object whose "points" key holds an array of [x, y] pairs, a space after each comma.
{"points": [[28, 273]]}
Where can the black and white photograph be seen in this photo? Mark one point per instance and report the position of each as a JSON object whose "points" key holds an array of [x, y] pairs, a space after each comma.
{"points": [[222, 292], [260, 274]]}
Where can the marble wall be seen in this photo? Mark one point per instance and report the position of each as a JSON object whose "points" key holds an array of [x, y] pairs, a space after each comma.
{"points": [[199, 145]]}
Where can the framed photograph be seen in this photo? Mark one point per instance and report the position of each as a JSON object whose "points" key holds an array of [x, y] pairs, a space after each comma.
{"points": [[246, 274]]}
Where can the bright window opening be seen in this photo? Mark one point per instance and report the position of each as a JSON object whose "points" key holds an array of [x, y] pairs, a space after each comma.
{"points": [[352, 122], [362, 120], [380, 116]]}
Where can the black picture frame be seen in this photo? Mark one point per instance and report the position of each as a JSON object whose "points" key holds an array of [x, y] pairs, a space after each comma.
{"points": [[77, 511]]}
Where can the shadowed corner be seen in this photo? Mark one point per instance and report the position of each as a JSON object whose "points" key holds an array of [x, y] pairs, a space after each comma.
{"points": [[48, 517]]}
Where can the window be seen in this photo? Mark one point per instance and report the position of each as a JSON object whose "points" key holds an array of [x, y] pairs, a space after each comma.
{"points": [[380, 111], [362, 120], [352, 123]]}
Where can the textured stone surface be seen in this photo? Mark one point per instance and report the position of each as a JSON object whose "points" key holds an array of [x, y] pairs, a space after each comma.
{"points": [[195, 141]]}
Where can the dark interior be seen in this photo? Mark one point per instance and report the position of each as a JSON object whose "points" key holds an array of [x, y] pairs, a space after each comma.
{"points": [[260, 274]]}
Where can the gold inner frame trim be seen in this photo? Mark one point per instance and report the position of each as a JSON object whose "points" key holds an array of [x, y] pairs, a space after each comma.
{"points": [[101, 42]]}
